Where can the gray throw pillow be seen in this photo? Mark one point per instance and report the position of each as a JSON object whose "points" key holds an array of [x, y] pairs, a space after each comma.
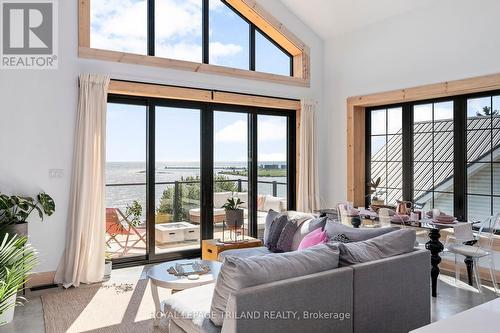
{"points": [[286, 238], [317, 223], [238, 273], [271, 215], [275, 231], [355, 234], [384, 246]]}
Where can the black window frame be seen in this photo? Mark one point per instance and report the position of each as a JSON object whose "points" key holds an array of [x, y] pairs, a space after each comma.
{"points": [[207, 110], [460, 163], [151, 37]]}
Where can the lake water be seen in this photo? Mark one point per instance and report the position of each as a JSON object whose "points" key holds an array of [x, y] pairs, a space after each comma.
{"points": [[134, 173]]}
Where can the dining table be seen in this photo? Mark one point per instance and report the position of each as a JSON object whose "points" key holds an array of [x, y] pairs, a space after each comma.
{"points": [[434, 245]]}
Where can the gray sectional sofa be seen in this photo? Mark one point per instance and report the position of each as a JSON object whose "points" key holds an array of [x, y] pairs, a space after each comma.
{"points": [[385, 295]]}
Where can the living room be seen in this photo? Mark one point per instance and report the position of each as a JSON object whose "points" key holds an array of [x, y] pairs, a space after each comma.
{"points": [[167, 165]]}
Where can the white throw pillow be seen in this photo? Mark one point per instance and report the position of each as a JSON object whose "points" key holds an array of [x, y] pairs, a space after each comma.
{"points": [[243, 196], [220, 198], [273, 203]]}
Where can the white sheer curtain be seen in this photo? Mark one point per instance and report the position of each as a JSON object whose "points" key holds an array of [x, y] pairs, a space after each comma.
{"points": [[307, 187], [83, 258]]}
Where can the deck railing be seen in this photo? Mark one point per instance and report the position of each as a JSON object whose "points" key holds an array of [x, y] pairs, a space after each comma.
{"points": [[176, 185]]}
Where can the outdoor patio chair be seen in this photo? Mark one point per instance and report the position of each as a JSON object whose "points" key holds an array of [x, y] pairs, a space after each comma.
{"points": [[118, 224]]}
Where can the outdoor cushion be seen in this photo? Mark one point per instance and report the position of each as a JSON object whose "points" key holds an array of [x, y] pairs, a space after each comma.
{"points": [[355, 234], [220, 198], [243, 196], [384, 246], [244, 253], [273, 203], [190, 309], [238, 273]]}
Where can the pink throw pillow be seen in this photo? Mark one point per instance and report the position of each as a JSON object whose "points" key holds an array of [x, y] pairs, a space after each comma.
{"points": [[315, 237]]}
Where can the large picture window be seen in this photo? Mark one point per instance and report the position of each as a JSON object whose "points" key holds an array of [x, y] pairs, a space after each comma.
{"points": [[449, 153], [200, 31], [171, 166]]}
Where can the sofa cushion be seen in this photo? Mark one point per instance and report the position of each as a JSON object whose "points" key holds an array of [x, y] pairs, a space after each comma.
{"points": [[238, 273], [271, 215], [190, 309], [275, 230], [316, 223], [244, 253], [286, 238], [301, 232], [380, 247], [220, 198], [355, 234], [315, 237]]}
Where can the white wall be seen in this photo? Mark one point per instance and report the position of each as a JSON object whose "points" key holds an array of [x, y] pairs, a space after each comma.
{"points": [[38, 108], [450, 39]]}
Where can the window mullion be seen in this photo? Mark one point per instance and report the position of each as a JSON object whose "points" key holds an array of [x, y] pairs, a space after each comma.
{"points": [[460, 158], [252, 48], [205, 31], [407, 137], [151, 27]]}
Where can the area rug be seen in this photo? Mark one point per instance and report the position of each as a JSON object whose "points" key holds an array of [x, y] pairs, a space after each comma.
{"points": [[118, 306]]}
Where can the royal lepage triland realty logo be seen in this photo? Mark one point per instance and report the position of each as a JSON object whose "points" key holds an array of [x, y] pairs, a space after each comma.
{"points": [[29, 34]]}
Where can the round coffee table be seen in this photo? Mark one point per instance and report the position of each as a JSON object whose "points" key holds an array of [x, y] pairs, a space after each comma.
{"points": [[160, 277]]}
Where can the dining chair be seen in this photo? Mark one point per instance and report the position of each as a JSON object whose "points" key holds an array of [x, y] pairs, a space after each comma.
{"points": [[343, 213], [476, 247]]}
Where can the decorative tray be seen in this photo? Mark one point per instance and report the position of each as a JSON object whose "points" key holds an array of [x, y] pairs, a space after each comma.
{"points": [[191, 268]]}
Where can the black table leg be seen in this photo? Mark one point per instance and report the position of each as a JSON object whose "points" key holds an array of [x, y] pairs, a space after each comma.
{"points": [[469, 264], [435, 246]]}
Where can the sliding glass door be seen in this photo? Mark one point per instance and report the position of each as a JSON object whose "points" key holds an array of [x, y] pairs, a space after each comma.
{"points": [[126, 235], [172, 165], [177, 179]]}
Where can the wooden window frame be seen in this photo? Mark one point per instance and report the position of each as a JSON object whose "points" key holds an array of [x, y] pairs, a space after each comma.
{"points": [[356, 124], [247, 8]]}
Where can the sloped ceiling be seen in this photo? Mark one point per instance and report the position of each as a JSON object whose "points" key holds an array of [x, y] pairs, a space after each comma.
{"points": [[330, 18]]}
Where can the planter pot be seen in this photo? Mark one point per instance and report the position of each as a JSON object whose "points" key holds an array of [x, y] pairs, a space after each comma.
{"points": [[7, 316], [20, 229], [107, 270], [234, 218]]}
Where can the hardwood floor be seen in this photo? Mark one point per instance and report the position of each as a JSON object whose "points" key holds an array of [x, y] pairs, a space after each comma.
{"points": [[451, 299]]}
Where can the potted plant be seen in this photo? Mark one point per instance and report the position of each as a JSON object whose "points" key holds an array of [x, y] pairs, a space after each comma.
{"points": [[17, 259], [375, 192], [234, 214], [15, 210]]}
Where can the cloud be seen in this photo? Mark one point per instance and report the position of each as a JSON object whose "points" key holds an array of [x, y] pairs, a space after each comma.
{"points": [[235, 132], [272, 157], [120, 25], [272, 129], [218, 50], [268, 130]]}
